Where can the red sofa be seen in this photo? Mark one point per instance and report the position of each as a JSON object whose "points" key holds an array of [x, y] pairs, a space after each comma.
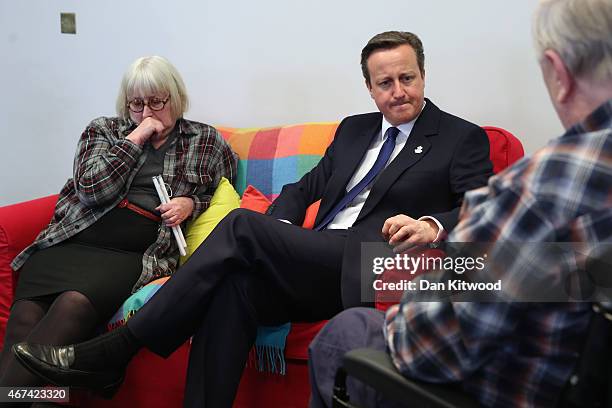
{"points": [[154, 382]]}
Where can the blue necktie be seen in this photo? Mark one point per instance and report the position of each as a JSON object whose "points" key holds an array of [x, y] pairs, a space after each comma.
{"points": [[379, 165]]}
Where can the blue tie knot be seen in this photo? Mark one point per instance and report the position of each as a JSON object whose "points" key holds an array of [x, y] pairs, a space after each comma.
{"points": [[392, 133]]}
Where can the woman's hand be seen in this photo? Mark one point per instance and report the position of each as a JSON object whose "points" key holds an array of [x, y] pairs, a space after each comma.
{"points": [[176, 211], [147, 129], [402, 232]]}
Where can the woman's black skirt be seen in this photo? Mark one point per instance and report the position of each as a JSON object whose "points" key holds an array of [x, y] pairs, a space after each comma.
{"points": [[103, 262]]}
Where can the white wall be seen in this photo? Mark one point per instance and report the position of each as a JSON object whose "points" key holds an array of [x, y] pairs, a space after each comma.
{"points": [[250, 63]]}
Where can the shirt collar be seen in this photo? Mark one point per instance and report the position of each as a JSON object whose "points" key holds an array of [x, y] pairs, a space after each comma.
{"points": [[404, 128], [600, 118]]}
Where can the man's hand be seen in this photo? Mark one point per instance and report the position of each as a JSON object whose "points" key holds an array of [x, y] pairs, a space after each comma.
{"points": [[402, 232], [176, 211]]}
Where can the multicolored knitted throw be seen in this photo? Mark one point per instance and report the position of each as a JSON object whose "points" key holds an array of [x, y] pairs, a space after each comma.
{"points": [[267, 355], [134, 303], [269, 158]]}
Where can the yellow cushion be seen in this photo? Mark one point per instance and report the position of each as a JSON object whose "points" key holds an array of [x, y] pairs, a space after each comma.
{"points": [[223, 201]]}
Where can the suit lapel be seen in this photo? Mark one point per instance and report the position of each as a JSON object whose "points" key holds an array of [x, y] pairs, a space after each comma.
{"points": [[415, 149], [349, 158]]}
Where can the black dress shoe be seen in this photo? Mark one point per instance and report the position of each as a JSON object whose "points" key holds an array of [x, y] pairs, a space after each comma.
{"points": [[53, 364]]}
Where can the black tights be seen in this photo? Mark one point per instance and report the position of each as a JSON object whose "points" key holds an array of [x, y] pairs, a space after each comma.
{"points": [[66, 319]]}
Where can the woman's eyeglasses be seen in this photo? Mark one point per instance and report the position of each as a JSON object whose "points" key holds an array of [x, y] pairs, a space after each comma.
{"points": [[155, 104]]}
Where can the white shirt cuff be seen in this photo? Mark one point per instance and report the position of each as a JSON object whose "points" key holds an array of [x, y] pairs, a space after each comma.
{"points": [[441, 231]]}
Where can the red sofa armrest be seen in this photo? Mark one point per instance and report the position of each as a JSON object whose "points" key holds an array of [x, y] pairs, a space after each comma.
{"points": [[19, 225]]}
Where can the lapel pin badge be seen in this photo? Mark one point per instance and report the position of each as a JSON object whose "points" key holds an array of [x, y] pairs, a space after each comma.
{"points": [[419, 149]]}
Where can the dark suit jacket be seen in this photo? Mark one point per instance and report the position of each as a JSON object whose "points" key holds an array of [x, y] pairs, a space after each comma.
{"points": [[454, 158]]}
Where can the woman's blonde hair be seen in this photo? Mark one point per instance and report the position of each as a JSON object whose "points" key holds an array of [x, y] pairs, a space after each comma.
{"points": [[153, 76]]}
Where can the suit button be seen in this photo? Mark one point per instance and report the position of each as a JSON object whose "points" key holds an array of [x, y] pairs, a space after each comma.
{"points": [[50, 239], [76, 227]]}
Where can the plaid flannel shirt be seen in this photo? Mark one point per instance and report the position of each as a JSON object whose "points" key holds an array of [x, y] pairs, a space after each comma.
{"points": [[105, 164], [510, 353]]}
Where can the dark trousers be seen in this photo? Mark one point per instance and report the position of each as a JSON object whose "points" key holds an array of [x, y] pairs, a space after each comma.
{"points": [[252, 270], [352, 329]]}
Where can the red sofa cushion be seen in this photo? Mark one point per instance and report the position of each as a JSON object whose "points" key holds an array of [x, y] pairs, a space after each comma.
{"points": [[255, 200], [150, 381]]}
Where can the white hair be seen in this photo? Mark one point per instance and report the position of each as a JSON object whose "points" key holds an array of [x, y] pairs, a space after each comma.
{"points": [[150, 76], [580, 31]]}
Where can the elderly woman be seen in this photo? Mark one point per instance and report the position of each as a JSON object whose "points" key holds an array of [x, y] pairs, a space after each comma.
{"points": [[105, 239]]}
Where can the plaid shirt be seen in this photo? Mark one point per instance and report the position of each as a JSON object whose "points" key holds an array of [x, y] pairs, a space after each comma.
{"points": [[516, 354], [105, 164]]}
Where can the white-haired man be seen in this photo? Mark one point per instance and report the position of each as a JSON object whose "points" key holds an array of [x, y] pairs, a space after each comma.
{"points": [[509, 353]]}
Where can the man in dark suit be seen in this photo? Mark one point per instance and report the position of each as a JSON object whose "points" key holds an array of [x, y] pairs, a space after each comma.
{"points": [[411, 158]]}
